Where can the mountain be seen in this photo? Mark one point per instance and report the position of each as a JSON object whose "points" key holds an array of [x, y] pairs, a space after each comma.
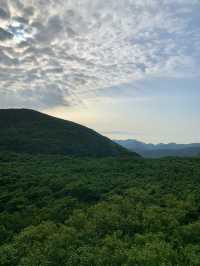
{"points": [[161, 150], [29, 131]]}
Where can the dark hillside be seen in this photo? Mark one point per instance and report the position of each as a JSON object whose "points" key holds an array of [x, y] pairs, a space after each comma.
{"points": [[24, 130]]}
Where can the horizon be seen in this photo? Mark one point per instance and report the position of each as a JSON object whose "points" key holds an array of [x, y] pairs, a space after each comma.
{"points": [[103, 133], [128, 70]]}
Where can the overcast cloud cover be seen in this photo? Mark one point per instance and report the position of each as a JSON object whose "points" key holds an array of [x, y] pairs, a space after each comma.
{"points": [[59, 52]]}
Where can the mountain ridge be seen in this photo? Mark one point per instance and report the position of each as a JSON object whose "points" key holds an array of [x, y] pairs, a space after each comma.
{"points": [[30, 131], [161, 149]]}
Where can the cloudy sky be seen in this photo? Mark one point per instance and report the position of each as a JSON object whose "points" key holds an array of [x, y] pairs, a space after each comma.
{"points": [[128, 69]]}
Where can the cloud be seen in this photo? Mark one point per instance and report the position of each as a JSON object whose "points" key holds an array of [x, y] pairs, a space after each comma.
{"points": [[57, 52], [119, 133], [3, 14], [5, 35]]}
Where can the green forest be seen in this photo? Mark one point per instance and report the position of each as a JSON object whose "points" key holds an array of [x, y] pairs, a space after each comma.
{"points": [[60, 211]]}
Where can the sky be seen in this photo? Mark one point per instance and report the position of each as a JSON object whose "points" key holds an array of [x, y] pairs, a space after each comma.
{"points": [[128, 69]]}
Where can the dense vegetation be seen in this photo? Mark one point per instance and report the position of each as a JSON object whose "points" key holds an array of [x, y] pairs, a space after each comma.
{"points": [[57, 210], [28, 131]]}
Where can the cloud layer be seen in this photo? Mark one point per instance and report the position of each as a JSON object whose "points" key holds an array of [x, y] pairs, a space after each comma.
{"points": [[57, 52]]}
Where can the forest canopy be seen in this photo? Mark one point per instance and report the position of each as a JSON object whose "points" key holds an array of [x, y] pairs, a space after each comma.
{"points": [[58, 210]]}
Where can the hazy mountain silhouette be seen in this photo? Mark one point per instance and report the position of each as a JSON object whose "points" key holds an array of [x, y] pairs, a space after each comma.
{"points": [[161, 150]]}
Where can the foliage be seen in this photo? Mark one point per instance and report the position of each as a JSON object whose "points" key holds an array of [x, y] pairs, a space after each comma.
{"points": [[57, 210]]}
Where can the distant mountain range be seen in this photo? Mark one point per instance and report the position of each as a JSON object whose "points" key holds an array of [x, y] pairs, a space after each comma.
{"points": [[29, 131], [161, 150]]}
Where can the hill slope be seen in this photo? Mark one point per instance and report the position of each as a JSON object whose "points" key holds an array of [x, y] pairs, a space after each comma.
{"points": [[161, 150], [24, 130]]}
